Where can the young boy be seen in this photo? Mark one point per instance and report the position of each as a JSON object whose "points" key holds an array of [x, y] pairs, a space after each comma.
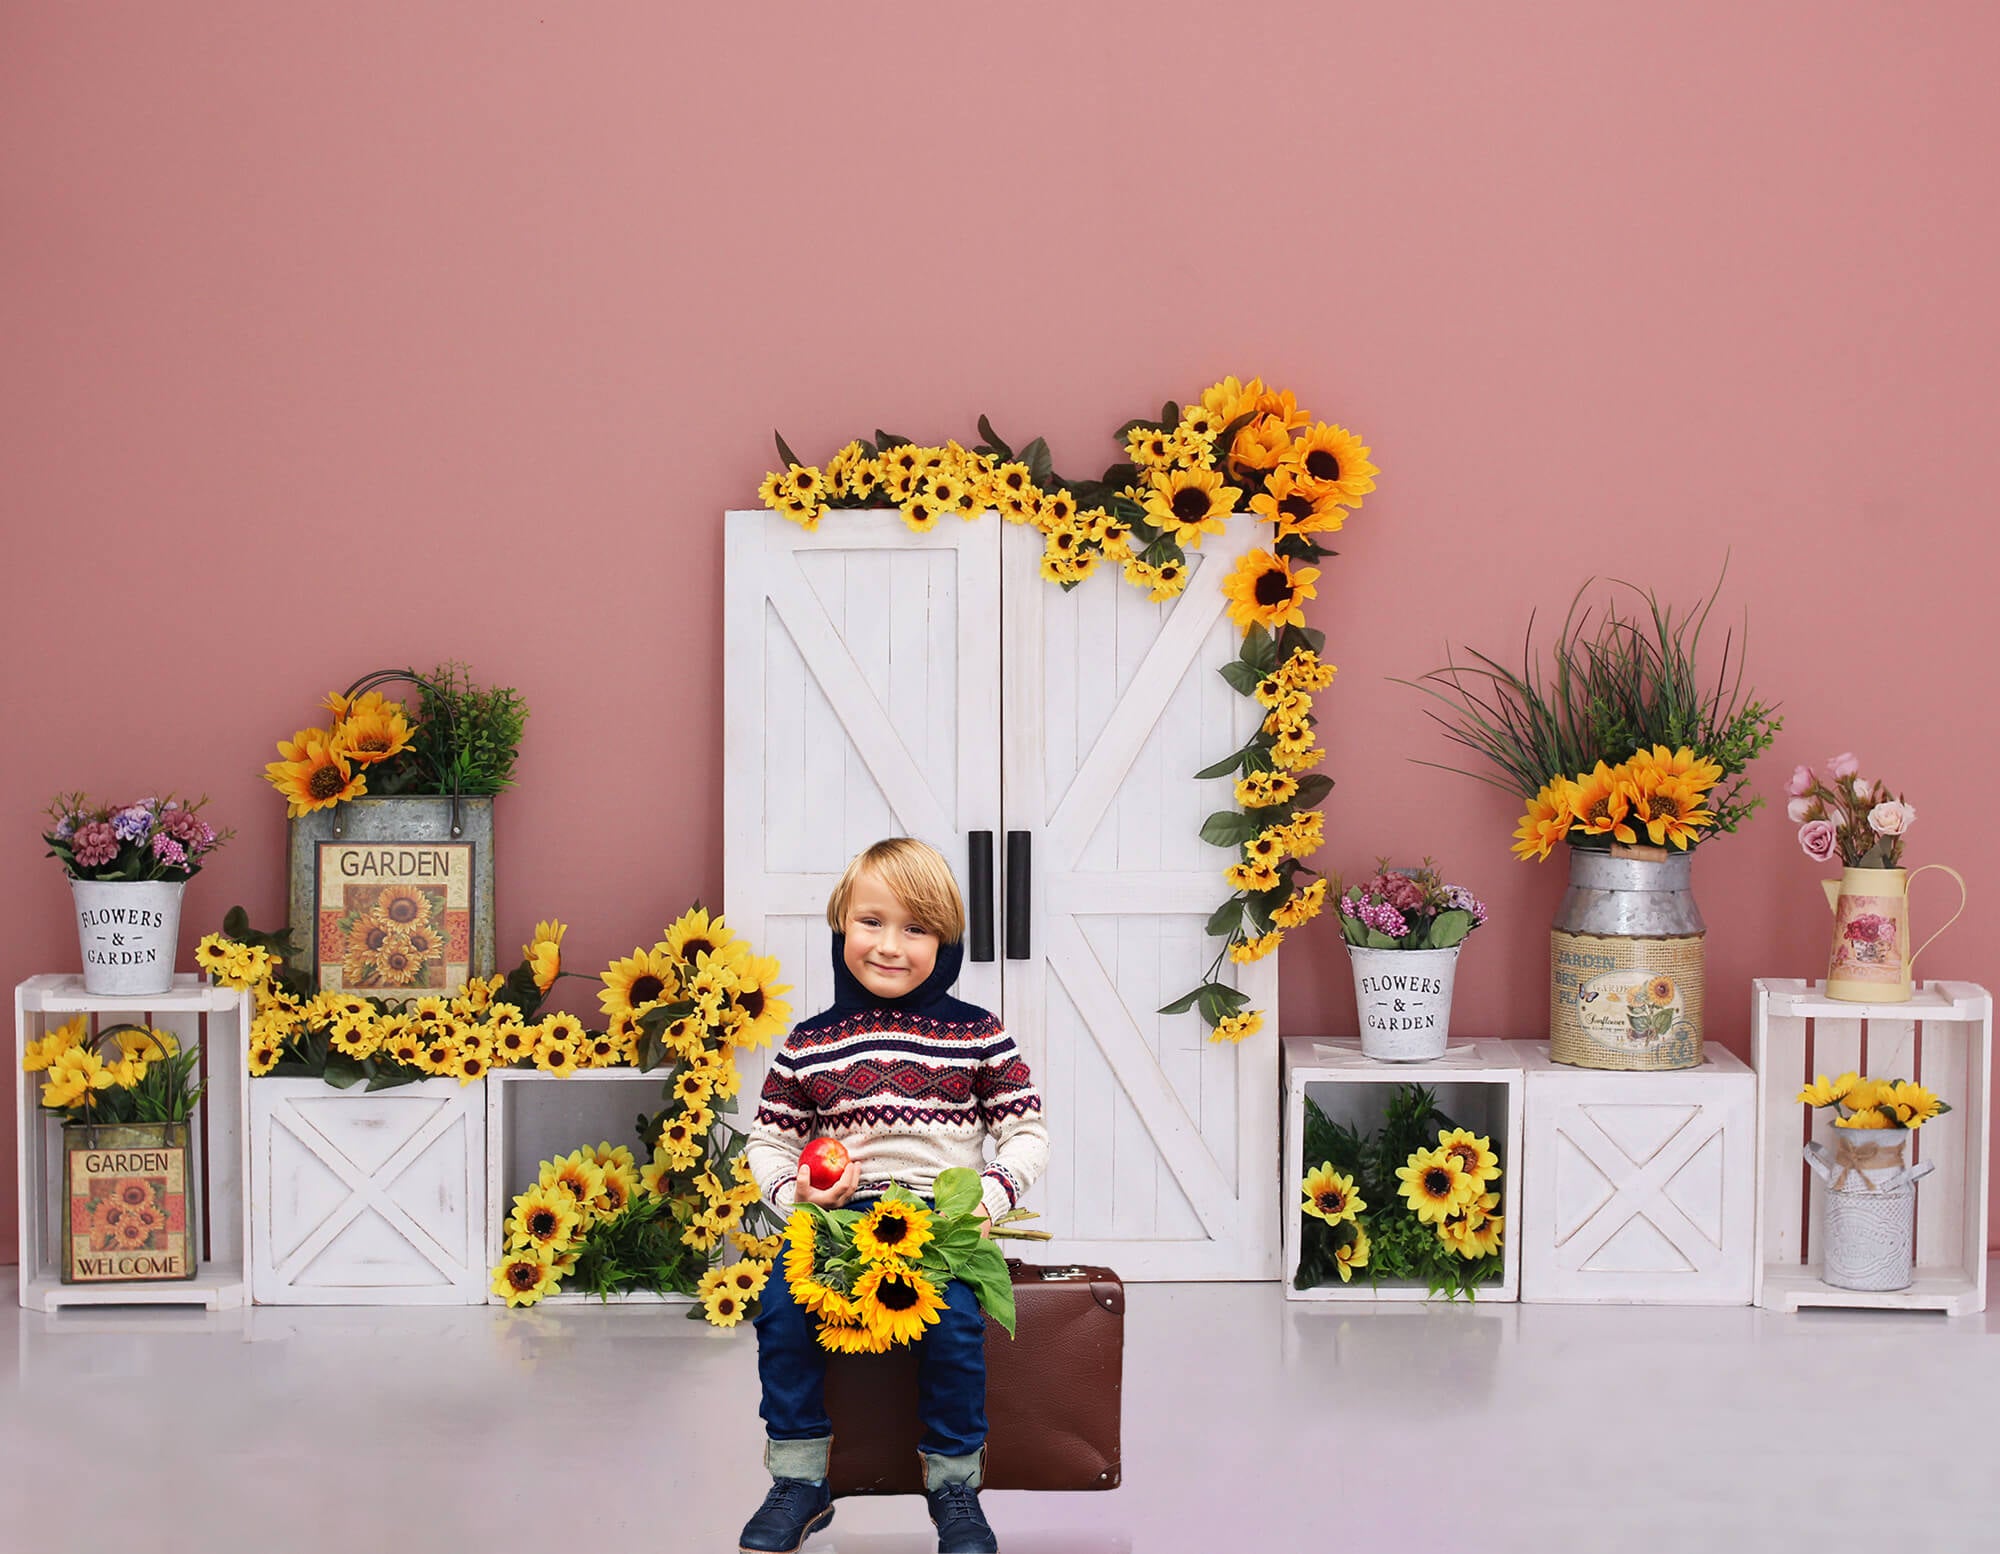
{"points": [[912, 1081]]}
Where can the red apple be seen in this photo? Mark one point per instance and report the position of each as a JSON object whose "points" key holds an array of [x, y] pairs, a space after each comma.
{"points": [[825, 1162]]}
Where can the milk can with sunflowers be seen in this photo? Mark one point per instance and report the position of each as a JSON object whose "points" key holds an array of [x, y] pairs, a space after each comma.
{"points": [[1629, 746], [391, 811]]}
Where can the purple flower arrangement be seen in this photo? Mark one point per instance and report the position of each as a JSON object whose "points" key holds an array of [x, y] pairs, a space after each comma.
{"points": [[1409, 909], [152, 839]]}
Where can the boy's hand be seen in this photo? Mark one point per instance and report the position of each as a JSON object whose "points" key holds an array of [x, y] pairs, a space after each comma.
{"points": [[985, 1223], [829, 1197]]}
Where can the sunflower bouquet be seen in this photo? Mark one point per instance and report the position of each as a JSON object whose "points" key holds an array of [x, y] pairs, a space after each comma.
{"points": [[459, 739], [349, 1038], [1873, 1103], [877, 1277], [596, 1217], [1434, 1188], [1241, 450], [1624, 741], [149, 1076]]}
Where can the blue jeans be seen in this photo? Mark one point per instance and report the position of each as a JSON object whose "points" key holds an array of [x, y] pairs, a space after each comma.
{"points": [[951, 1370]]}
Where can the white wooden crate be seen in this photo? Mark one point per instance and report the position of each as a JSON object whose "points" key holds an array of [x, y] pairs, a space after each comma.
{"points": [[1943, 1037], [366, 1198], [1478, 1084], [219, 1020], [532, 1116], [1640, 1187]]}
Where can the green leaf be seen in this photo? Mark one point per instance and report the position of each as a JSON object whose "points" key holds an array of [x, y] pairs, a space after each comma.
{"points": [[1170, 416], [786, 453], [652, 1051], [956, 1191], [1226, 919], [1313, 787], [1041, 468], [1449, 928], [986, 1272], [1258, 650], [993, 439], [1242, 677], [887, 440], [1180, 1005], [1378, 940], [1227, 764], [1229, 828]]}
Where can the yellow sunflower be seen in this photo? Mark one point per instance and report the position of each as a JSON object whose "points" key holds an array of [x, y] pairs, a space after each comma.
{"points": [[1237, 1027], [402, 907], [1267, 846], [1150, 448], [896, 1302], [396, 964], [763, 1249], [1602, 803], [1660, 991], [847, 1338], [1295, 748], [1187, 504], [756, 994], [1332, 462], [1302, 906], [513, 1042], [1256, 949], [1330, 1196], [1250, 876], [1913, 1104], [1474, 1155], [314, 773], [1262, 444], [1825, 1092], [620, 1184], [214, 953], [1866, 1117], [581, 1177], [694, 934], [1306, 833], [747, 1279], [921, 514], [374, 734], [1350, 1255], [524, 1277], [1698, 770], [263, 1055], [638, 982], [1549, 816], [544, 1217], [1434, 1185], [543, 953], [1263, 590], [1670, 808], [893, 1229], [1260, 790], [1294, 510]]}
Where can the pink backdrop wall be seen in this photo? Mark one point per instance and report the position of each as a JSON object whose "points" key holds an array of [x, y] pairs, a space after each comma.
{"points": [[340, 336]]}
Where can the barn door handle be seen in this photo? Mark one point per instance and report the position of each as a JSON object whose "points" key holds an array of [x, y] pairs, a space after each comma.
{"points": [[1020, 899], [979, 877]]}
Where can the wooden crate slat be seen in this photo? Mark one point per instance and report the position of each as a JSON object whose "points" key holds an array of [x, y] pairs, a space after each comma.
{"points": [[1941, 1195], [1779, 1054]]}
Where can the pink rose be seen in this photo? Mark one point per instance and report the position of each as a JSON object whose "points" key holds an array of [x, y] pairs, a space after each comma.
{"points": [[1800, 810], [1843, 765], [1819, 839], [1864, 791], [1801, 783], [1891, 818]]}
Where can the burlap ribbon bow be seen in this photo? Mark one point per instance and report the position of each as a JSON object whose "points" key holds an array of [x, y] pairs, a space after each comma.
{"points": [[1852, 1159]]}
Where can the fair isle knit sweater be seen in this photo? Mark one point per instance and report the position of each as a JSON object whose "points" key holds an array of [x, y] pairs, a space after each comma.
{"points": [[910, 1085]]}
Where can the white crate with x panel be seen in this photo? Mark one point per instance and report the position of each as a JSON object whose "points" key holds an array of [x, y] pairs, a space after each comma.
{"points": [[1641, 1187]]}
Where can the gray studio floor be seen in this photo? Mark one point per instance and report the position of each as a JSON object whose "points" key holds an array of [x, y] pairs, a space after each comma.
{"points": [[1249, 1422]]}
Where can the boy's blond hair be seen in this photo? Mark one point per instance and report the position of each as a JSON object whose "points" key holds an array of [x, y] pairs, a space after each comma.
{"points": [[917, 875]]}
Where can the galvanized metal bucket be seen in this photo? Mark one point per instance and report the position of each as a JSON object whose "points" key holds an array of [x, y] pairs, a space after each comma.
{"points": [[1869, 1211], [393, 897], [129, 932], [1627, 983], [1404, 999]]}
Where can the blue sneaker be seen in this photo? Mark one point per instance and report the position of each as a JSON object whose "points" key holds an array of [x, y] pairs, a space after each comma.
{"points": [[961, 1526], [792, 1512]]}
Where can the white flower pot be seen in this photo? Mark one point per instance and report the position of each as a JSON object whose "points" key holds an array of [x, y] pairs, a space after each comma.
{"points": [[1404, 998], [129, 932]]}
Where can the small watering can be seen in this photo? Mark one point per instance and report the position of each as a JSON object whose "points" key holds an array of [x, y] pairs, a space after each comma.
{"points": [[1868, 1229], [1871, 960]]}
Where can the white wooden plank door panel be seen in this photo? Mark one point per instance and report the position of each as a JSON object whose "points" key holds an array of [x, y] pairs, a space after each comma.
{"points": [[1164, 1145], [862, 700]]}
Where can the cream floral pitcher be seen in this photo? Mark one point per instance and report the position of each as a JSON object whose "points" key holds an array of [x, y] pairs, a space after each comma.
{"points": [[1871, 961]]}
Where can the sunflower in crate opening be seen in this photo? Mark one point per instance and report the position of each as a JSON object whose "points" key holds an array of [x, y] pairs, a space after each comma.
{"points": [[880, 1276], [1436, 1193]]}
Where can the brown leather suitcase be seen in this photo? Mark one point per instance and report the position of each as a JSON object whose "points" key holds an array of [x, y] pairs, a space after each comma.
{"points": [[1053, 1394]]}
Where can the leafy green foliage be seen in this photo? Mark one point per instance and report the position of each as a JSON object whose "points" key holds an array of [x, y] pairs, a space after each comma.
{"points": [[1613, 683]]}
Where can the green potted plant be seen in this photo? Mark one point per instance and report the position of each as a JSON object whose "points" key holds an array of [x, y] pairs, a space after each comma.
{"points": [[391, 811]]}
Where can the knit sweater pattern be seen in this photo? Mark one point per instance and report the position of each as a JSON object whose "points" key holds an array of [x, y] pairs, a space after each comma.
{"points": [[911, 1086]]}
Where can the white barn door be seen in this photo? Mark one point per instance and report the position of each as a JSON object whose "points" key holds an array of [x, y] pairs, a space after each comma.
{"points": [[1164, 1144], [862, 700]]}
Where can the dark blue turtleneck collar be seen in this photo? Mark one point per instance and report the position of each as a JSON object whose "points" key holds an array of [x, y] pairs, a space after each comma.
{"points": [[930, 997]]}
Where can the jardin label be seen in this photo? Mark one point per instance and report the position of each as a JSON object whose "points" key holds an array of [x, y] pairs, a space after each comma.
{"points": [[128, 1214], [394, 919], [1625, 1003]]}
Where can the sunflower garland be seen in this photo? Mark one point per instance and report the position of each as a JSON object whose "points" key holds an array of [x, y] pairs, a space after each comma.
{"points": [[1436, 1191], [878, 1277], [1242, 450]]}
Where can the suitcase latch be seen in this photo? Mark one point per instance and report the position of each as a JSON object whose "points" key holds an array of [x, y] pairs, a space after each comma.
{"points": [[1049, 1274]]}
